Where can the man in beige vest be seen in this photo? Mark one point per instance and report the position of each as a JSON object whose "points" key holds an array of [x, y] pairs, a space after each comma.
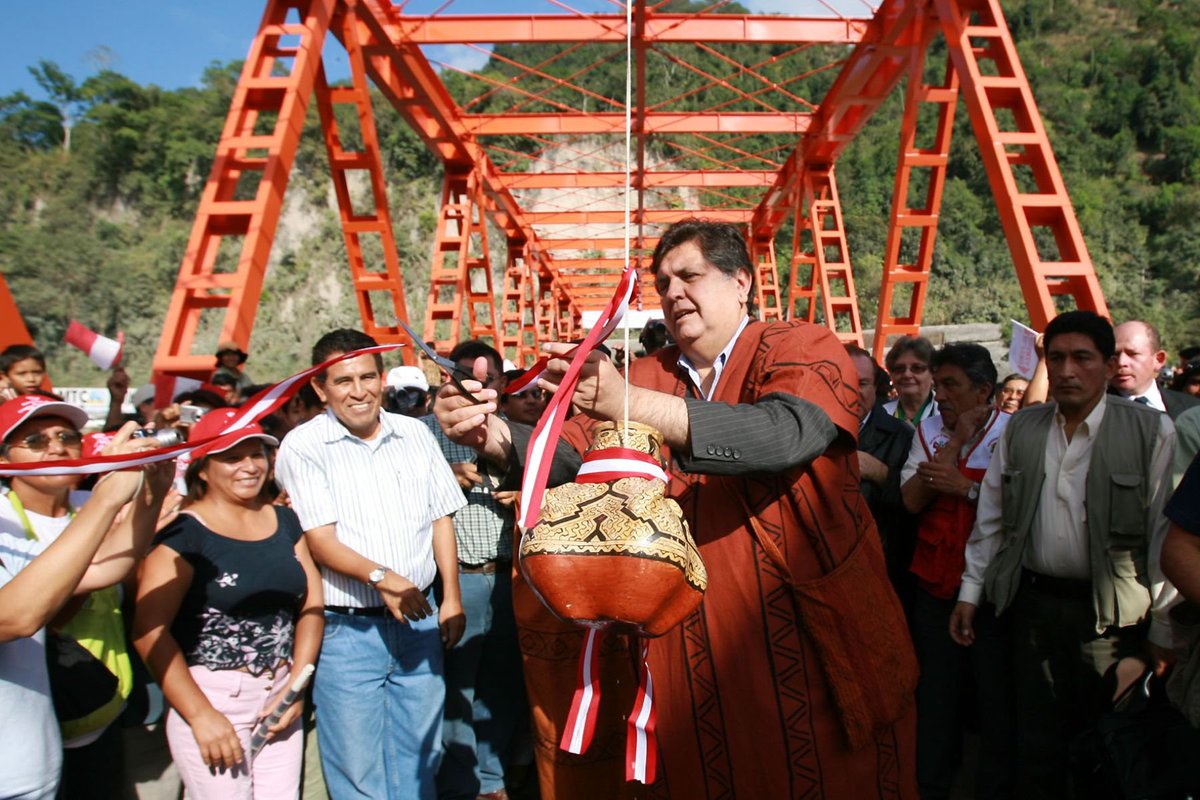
{"points": [[1066, 541]]}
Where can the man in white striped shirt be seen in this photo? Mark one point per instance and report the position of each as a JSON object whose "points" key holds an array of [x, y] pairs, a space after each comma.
{"points": [[375, 497]]}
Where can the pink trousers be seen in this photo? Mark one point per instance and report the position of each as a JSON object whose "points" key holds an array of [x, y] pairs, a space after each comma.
{"points": [[241, 697]]}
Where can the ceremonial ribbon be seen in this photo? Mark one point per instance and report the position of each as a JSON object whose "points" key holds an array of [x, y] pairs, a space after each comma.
{"points": [[581, 721], [641, 753], [614, 463], [545, 435], [260, 405]]}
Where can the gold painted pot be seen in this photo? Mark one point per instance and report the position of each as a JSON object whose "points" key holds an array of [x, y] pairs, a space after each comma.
{"points": [[615, 554]]}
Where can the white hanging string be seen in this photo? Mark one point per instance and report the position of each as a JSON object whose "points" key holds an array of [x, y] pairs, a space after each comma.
{"points": [[628, 185]]}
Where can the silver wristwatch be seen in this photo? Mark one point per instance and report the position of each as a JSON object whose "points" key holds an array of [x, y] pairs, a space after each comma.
{"points": [[376, 576], [973, 492]]}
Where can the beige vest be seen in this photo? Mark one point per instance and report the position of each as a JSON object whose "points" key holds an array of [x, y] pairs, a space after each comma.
{"points": [[1117, 497]]}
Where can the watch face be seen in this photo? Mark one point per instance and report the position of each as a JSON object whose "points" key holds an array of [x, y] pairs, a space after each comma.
{"points": [[376, 575]]}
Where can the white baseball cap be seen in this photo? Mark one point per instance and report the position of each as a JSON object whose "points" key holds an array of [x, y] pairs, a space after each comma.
{"points": [[405, 377]]}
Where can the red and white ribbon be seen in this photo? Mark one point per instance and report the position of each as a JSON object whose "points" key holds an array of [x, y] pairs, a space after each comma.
{"points": [[614, 463], [581, 722], [545, 435], [641, 749], [254, 409]]}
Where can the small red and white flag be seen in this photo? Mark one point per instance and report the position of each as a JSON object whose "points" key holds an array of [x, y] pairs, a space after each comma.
{"points": [[105, 353]]}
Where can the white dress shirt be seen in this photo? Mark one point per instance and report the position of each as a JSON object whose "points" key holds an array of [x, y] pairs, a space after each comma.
{"points": [[717, 367], [383, 495], [1058, 537], [1153, 396]]}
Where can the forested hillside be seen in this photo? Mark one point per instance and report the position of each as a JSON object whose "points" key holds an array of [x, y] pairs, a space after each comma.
{"points": [[100, 176]]}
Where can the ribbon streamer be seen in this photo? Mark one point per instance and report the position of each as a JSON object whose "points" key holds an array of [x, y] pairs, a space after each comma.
{"points": [[545, 435], [581, 722], [641, 750], [254, 409]]}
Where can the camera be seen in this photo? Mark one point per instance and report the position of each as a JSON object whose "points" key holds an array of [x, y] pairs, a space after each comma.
{"points": [[166, 437], [190, 414]]}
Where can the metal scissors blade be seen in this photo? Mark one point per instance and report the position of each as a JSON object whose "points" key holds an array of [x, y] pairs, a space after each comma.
{"points": [[454, 371]]}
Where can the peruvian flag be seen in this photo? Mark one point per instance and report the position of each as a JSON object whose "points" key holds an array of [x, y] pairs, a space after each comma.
{"points": [[105, 353]]}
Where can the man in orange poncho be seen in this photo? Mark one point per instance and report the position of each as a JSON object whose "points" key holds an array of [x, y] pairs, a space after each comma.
{"points": [[795, 676]]}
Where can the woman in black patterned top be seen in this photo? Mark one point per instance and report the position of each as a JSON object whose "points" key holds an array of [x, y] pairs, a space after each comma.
{"points": [[229, 606]]}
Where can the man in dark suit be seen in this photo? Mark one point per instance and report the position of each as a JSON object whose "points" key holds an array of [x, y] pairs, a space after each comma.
{"points": [[883, 445], [1140, 358]]}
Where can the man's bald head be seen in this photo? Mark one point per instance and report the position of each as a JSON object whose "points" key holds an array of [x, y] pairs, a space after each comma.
{"points": [[1140, 357]]}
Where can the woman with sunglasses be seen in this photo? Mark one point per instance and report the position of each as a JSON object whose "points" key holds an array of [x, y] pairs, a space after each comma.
{"points": [[229, 606], [56, 545], [36, 428]]}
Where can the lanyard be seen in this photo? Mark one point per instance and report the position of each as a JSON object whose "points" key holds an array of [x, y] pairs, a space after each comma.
{"points": [[916, 417], [19, 507]]}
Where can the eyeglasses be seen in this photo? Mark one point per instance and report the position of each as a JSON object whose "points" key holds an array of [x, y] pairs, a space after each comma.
{"points": [[534, 394], [915, 369], [38, 442]]}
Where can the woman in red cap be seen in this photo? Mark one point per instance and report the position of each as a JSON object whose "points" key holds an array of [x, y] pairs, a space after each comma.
{"points": [[229, 606]]}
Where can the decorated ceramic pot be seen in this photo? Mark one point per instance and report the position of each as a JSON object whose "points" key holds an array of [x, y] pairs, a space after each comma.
{"points": [[611, 550]]}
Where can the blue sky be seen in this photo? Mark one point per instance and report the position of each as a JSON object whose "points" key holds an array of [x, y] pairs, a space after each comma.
{"points": [[171, 42]]}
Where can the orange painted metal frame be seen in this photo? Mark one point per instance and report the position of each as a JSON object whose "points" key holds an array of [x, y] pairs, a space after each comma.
{"points": [[532, 148]]}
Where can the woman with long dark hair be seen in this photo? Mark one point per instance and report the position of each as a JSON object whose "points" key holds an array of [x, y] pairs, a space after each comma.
{"points": [[229, 607]]}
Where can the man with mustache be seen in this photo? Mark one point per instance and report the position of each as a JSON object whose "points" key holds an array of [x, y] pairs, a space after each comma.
{"points": [[948, 458], [1066, 538]]}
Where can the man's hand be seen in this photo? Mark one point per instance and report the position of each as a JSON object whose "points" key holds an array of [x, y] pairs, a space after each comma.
{"points": [[118, 386], [403, 598], [871, 468], [507, 498], [451, 622], [943, 478], [962, 623], [461, 418], [969, 423], [600, 390], [467, 474]]}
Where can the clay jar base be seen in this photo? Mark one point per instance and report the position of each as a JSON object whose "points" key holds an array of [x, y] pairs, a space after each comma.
{"points": [[627, 595]]}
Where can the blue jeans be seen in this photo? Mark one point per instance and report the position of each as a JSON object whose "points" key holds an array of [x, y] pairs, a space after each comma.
{"points": [[379, 693], [485, 689]]}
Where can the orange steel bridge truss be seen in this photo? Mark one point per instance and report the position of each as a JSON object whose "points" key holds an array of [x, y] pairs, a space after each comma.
{"points": [[733, 117]]}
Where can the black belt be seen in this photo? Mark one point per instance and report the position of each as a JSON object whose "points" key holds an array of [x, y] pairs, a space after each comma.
{"points": [[487, 567], [352, 611], [1067, 588]]}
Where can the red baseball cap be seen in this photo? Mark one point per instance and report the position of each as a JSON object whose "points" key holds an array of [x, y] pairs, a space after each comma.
{"points": [[93, 443], [14, 413], [214, 422]]}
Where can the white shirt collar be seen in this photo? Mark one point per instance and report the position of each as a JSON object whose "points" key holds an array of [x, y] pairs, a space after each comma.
{"points": [[718, 363], [1091, 424], [334, 430], [1153, 397]]}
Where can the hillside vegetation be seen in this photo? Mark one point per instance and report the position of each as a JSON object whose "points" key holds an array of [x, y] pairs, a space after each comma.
{"points": [[100, 177]]}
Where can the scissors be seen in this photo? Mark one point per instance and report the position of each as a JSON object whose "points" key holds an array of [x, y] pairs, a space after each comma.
{"points": [[456, 373]]}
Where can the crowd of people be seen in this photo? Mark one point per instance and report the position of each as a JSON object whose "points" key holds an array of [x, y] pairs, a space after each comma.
{"points": [[899, 557]]}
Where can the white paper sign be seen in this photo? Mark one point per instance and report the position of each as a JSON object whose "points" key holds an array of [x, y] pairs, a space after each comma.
{"points": [[1022, 354]]}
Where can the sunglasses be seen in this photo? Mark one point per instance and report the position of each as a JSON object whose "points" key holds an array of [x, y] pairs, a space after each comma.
{"points": [[39, 442], [915, 369]]}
